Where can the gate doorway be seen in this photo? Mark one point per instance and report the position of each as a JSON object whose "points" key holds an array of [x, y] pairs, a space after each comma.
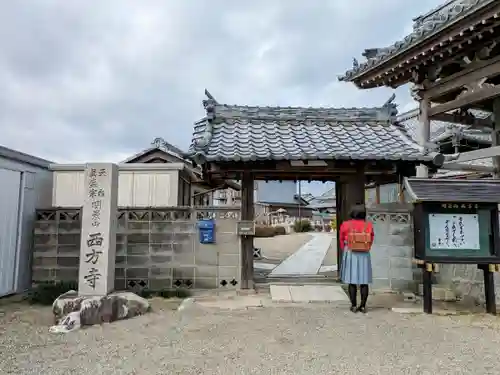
{"points": [[10, 192], [294, 240]]}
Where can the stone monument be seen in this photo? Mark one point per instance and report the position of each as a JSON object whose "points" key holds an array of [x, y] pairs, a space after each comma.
{"points": [[95, 302], [98, 236]]}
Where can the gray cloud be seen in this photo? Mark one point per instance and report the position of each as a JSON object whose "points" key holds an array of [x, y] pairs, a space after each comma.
{"points": [[91, 80]]}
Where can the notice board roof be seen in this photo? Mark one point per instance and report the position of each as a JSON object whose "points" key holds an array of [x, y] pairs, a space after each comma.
{"points": [[451, 190]]}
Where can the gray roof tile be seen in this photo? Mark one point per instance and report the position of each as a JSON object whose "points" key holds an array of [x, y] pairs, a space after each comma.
{"points": [[441, 130], [424, 27], [427, 189], [443, 173], [234, 133]]}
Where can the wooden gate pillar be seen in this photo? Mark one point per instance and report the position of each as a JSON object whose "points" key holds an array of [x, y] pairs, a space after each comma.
{"points": [[339, 208], [495, 135], [247, 213], [349, 192]]}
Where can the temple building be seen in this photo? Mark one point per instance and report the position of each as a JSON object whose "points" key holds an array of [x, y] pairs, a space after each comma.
{"points": [[452, 61]]}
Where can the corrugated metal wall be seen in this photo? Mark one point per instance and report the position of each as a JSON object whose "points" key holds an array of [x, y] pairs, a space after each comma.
{"points": [[10, 194], [24, 187], [135, 188]]}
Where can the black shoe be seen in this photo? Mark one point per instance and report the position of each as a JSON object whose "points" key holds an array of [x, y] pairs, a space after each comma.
{"points": [[354, 309], [362, 309]]}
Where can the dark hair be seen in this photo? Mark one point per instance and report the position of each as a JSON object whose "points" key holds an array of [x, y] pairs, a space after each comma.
{"points": [[358, 212]]}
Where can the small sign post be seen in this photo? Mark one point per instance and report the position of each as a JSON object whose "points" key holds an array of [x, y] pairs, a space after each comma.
{"points": [[460, 225], [245, 228]]}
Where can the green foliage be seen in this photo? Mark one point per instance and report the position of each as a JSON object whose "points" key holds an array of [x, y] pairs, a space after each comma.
{"points": [[333, 224], [264, 231], [46, 293], [303, 225]]}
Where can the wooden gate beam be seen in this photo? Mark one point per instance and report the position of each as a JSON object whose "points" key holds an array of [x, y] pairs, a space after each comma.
{"points": [[473, 73], [482, 153], [480, 95]]}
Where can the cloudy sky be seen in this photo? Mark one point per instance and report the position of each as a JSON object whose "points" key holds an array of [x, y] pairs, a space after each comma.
{"points": [[89, 80]]}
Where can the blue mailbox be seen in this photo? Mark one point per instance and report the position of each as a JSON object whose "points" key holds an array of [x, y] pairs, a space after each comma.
{"points": [[206, 227]]}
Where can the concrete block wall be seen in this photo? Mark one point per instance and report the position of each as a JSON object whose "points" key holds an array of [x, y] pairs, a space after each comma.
{"points": [[219, 265], [156, 248], [392, 249], [466, 281], [56, 245]]}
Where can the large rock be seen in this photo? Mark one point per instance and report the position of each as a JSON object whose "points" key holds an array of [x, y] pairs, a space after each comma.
{"points": [[72, 311]]}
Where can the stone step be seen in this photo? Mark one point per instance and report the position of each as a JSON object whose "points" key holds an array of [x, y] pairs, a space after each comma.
{"points": [[301, 280], [307, 293]]}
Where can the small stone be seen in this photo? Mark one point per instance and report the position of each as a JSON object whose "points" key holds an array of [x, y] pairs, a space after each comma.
{"points": [[71, 322], [66, 303], [409, 297]]}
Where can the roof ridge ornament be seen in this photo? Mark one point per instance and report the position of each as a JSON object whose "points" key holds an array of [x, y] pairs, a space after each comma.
{"points": [[390, 108], [159, 143], [210, 96]]}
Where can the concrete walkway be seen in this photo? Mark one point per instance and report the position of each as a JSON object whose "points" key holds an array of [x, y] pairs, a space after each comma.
{"points": [[307, 260]]}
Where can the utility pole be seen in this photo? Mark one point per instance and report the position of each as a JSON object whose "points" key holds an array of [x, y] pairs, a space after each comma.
{"points": [[300, 202]]}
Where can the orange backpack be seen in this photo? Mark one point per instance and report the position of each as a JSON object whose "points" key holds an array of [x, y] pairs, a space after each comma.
{"points": [[359, 240]]}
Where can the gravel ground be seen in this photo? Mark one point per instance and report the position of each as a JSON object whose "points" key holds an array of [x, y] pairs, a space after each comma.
{"points": [[310, 339]]}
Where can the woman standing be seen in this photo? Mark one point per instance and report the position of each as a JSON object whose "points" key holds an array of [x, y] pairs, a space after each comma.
{"points": [[356, 239]]}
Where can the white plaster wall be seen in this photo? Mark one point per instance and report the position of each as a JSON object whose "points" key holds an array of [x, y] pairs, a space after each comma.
{"points": [[135, 188], [68, 188]]}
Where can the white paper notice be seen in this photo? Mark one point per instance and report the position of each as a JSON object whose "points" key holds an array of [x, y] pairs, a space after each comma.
{"points": [[454, 231]]}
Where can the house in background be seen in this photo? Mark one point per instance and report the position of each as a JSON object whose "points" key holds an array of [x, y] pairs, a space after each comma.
{"points": [[308, 197], [326, 203], [227, 197], [26, 184], [272, 196], [158, 176]]}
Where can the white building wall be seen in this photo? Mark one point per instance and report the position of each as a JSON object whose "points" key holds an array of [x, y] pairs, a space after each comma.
{"points": [[148, 188], [156, 185]]}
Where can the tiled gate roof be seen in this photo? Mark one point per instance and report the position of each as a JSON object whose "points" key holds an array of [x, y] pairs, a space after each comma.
{"points": [[245, 133], [441, 130]]}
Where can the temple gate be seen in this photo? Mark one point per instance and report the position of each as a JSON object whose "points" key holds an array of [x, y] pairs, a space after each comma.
{"points": [[349, 146]]}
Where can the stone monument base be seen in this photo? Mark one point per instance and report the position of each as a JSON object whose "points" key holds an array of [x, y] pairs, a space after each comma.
{"points": [[71, 311]]}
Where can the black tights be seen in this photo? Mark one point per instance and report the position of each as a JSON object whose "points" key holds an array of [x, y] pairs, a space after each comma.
{"points": [[353, 291]]}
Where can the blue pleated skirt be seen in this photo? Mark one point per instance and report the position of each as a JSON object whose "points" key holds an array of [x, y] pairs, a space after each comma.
{"points": [[356, 267]]}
